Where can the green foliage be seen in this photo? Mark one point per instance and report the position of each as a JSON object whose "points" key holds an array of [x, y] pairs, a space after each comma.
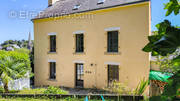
{"points": [[47, 99], [171, 91], [172, 6], [32, 91], [165, 42], [122, 89], [49, 90], [10, 43], [54, 90], [169, 63], [1, 89], [173, 87], [23, 50], [10, 91], [141, 87], [13, 65], [119, 88]]}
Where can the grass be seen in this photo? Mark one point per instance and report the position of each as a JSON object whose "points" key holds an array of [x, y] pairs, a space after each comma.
{"points": [[32, 91], [44, 99], [49, 90]]}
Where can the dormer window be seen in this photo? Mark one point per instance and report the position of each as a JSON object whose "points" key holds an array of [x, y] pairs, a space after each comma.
{"points": [[76, 7], [101, 1]]}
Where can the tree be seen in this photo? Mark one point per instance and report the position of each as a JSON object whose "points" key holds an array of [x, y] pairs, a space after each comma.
{"points": [[172, 6], [165, 42], [19, 43], [166, 63], [13, 65]]}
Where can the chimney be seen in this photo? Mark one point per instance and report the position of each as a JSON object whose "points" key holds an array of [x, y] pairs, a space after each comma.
{"points": [[51, 2]]}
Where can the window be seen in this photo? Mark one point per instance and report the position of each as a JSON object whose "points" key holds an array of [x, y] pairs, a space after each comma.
{"points": [[53, 43], [112, 41], [52, 70], [79, 43], [76, 7], [101, 1], [113, 73]]}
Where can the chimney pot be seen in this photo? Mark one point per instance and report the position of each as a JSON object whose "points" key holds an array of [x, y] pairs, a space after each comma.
{"points": [[51, 2]]}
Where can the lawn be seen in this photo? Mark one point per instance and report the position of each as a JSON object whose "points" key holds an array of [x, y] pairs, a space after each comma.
{"points": [[32, 91], [44, 99], [49, 90]]}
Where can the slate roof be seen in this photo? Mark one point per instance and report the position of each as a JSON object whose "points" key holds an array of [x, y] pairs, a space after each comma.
{"points": [[65, 7]]}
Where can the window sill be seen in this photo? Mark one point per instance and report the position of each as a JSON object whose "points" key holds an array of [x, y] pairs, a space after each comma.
{"points": [[52, 80], [112, 53], [52, 52], [79, 53]]}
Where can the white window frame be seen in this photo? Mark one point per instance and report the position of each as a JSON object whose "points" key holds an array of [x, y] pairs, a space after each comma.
{"points": [[112, 29], [52, 33], [79, 32], [112, 63], [78, 61], [51, 60]]}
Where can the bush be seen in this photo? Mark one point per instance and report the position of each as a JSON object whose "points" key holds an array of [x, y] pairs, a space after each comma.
{"points": [[54, 90], [119, 88], [10, 91], [1, 89], [142, 86], [32, 91]]}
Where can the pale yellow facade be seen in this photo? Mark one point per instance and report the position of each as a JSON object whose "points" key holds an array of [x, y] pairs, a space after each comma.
{"points": [[133, 24]]}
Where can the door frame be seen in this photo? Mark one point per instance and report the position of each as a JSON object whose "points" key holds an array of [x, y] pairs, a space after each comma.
{"points": [[76, 80]]}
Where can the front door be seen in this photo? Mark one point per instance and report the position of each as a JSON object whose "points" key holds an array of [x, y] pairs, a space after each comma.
{"points": [[79, 75]]}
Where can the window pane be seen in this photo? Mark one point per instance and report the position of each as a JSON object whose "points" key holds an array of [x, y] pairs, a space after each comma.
{"points": [[52, 70], [53, 43], [113, 73], [80, 72], [113, 41], [79, 43]]}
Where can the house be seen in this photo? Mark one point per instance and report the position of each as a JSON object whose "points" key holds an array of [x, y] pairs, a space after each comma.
{"points": [[1, 47], [9, 48], [90, 43], [15, 46]]}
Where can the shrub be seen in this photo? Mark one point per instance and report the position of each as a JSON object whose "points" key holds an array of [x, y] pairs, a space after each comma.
{"points": [[141, 87], [32, 91], [54, 90], [119, 88], [1, 89]]}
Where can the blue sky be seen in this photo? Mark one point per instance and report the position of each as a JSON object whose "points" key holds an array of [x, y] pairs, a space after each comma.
{"points": [[17, 28]]}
